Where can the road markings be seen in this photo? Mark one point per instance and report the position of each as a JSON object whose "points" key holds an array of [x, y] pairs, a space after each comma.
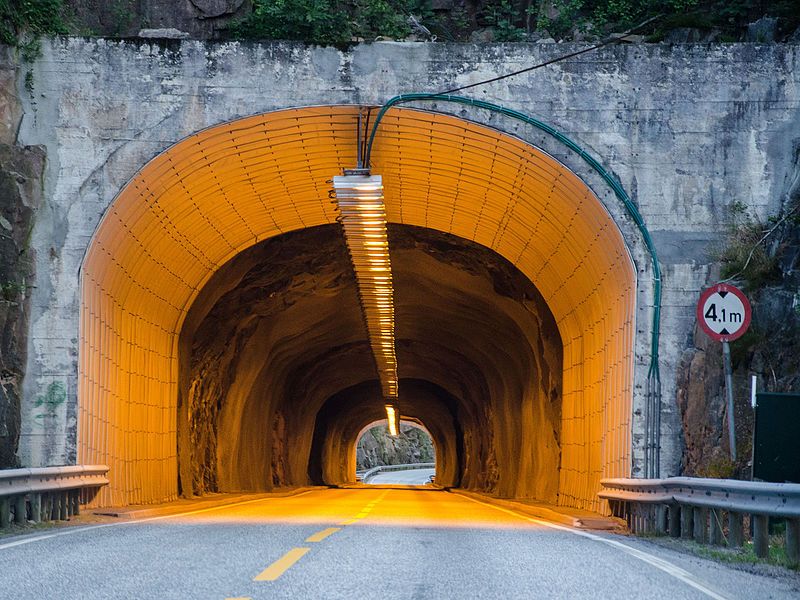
{"points": [[280, 566], [321, 535], [651, 559], [284, 563], [70, 531]]}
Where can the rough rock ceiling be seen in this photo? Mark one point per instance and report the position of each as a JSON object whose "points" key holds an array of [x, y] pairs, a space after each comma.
{"points": [[280, 379]]}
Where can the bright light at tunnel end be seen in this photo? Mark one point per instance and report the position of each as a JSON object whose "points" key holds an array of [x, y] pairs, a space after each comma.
{"points": [[391, 417], [359, 197]]}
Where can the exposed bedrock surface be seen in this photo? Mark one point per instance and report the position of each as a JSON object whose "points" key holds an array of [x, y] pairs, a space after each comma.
{"points": [[277, 379], [21, 171]]}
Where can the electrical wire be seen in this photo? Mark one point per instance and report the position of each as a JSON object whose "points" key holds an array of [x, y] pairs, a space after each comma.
{"points": [[611, 40], [653, 386], [652, 446]]}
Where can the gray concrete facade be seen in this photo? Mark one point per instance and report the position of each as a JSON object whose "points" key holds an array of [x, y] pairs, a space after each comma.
{"points": [[688, 130]]}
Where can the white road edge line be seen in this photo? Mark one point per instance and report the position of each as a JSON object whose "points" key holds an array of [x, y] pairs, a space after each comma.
{"points": [[73, 530], [658, 563]]}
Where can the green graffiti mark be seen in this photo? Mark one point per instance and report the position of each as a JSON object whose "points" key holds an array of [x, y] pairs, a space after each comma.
{"points": [[55, 395]]}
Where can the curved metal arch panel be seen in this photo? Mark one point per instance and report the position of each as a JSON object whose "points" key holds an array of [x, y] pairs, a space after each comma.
{"points": [[223, 189]]}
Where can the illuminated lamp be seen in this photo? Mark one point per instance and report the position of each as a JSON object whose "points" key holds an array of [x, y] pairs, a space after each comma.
{"points": [[359, 196]]}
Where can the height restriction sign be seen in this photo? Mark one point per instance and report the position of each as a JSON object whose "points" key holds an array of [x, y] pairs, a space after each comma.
{"points": [[723, 312]]}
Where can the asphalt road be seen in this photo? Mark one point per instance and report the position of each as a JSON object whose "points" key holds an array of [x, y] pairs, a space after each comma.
{"points": [[358, 543], [407, 477]]}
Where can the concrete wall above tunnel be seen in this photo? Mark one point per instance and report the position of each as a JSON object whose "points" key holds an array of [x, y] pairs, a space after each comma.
{"points": [[222, 190]]}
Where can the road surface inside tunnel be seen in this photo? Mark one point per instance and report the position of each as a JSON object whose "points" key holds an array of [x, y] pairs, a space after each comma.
{"points": [[357, 543], [406, 477]]}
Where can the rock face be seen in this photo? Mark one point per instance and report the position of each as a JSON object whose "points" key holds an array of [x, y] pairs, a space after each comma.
{"points": [[377, 447], [201, 19], [20, 195], [278, 380], [770, 350], [21, 180]]}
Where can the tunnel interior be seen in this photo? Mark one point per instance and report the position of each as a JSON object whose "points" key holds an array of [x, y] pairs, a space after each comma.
{"points": [[277, 380], [192, 345]]}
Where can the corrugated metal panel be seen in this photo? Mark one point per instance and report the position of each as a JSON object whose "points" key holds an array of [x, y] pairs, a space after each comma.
{"points": [[223, 189]]}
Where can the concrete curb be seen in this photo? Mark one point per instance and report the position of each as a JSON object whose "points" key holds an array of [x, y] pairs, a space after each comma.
{"points": [[555, 514], [184, 506]]}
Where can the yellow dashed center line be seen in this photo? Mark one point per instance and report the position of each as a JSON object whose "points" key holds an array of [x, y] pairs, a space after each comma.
{"points": [[280, 566], [285, 562], [321, 535]]}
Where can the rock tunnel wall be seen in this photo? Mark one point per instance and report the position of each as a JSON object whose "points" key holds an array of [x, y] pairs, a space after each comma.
{"points": [[278, 380]]}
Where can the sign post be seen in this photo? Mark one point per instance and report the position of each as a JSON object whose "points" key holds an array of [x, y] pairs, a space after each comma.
{"points": [[724, 314]]}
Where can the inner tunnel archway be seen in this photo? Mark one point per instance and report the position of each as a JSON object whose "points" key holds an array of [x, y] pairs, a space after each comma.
{"points": [[178, 239], [420, 446]]}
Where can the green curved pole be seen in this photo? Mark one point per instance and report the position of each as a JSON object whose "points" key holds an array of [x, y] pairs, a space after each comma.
{"points": [[653, 374]]}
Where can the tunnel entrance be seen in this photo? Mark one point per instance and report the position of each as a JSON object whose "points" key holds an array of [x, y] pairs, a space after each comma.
{"points": [[376, 447], [408, 458], [277, 381], [222, 346]]}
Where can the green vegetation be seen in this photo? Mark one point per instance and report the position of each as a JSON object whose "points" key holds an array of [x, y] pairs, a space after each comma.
{"points": [[22, 21], [752, 249], [11, 290], [504, 16], [728, 17], [719, 467], [329, 22], [746, 554], [342, 22]]}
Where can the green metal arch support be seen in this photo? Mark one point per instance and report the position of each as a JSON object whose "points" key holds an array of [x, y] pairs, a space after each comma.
{"points": [[652, 408]]}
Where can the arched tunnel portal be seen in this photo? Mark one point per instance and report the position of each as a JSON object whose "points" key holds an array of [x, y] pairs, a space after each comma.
{"points": [[415, 450], [223, 348]]}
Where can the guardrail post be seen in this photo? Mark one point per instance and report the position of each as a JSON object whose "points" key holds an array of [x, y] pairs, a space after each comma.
{"points": [[36, 508], [761, 535], [52, 507], [700, 524], [20, 510], [62, 505], [793, 541], [5, 512], [735, 530], [715, 526], [661, 519], [76, 502], [687, 522], [674, 520], [636, 517]]}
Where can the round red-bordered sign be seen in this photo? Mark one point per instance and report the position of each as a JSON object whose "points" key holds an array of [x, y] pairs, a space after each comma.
{"points": [[723, 312]]}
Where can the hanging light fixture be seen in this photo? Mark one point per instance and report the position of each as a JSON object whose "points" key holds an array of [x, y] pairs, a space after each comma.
{"points": [[359, 196], [391, 417]]}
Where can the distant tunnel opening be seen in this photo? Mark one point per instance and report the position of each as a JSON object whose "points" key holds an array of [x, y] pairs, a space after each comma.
{"points": [[277, 381], [222, 346], [408, 458], [376, 447]]}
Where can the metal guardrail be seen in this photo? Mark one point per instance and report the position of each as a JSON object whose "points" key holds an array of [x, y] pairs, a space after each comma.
{"points": [[48, 493], [696, 508], [370, 473]]}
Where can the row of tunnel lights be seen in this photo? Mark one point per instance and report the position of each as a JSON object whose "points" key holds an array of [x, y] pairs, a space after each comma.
{"points": [[359, 197]]}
